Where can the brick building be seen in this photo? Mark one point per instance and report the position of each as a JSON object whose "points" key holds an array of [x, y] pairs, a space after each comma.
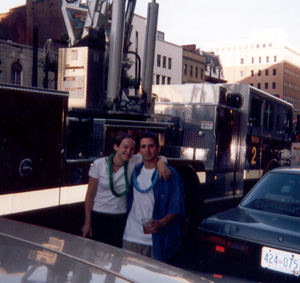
{"points": [[40, 18], [18, 24]]}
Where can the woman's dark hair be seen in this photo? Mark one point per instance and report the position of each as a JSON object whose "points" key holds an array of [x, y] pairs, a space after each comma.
{"points": [[151, 136], [118, 138]]}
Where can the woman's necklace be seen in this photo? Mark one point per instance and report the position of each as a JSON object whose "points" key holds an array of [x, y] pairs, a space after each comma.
{"points": [[136, 185], [111, 182]]}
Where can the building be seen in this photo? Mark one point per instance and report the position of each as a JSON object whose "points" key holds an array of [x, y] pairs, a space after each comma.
{"points": [[38, 21], [17, 65], [19, 23], [213, 68], [264, 61], [168, 63], [21, 29], [174, 64], [193, 67], [13, 25], [168, 56]]}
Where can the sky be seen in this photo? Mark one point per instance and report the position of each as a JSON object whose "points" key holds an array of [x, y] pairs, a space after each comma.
{"points": [[207, 22]]}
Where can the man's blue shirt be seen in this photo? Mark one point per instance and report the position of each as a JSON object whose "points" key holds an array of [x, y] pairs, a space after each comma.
{"points": [[168, 198]]}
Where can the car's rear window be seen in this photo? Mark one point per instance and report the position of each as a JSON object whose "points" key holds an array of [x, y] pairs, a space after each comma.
{"points": [[276, 192]]}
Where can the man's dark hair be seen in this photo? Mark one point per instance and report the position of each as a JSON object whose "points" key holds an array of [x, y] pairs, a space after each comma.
{"points": [[150, 135]]}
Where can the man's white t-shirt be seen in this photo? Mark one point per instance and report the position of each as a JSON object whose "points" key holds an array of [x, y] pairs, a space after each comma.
{"points": [[104, 200], [142, 207]]}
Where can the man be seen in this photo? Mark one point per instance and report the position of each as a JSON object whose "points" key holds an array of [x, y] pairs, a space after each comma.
{"points": [[156, 199]]}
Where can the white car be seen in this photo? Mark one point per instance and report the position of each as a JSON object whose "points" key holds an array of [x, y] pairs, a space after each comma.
{"points": [[31, 253]]}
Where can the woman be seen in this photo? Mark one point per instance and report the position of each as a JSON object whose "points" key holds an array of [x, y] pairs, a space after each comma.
{"points": [[109, 180]]}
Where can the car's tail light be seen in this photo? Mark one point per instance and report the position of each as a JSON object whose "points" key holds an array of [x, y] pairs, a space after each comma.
{"points": [[221, 245], [220, 249]]}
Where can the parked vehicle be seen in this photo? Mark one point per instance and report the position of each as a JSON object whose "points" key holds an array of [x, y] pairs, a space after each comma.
{"points": [[31, 253], [261, 236]]}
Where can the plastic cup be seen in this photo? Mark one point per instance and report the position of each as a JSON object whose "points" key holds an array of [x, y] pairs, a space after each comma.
{"points": [[147, 225]]}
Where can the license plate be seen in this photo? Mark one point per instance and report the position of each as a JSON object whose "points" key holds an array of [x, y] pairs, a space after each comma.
{"points": [[280, 261]]}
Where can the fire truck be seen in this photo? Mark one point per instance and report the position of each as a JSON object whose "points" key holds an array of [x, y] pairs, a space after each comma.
{"points": [[220, 138]]}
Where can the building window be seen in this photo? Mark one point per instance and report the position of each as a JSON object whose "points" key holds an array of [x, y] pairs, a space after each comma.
{"points": [[275, 58], [196, 72], [259, 59], [158, 60], [266, 72], [185, 69], [169, 80], [266, 85], [252, 73], [251, 84], [241, 73], [163, 80], [267, 59], [257, 45], [164, 62], [191, 71], [259, 73], [16, 73], [274, 72], [252, 60], [258, 85], [274, 85], [201, 74], [169, 63], [157, 79], [160, 35], [242, 61]]}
